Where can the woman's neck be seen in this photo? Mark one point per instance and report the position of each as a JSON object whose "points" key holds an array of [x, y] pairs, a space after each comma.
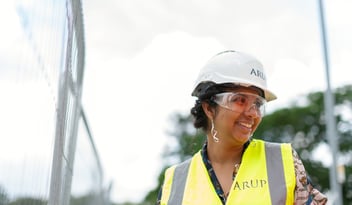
{"points": [[221, 153]]}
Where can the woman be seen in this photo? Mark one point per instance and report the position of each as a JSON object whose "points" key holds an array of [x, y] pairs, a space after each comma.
{"points": [[233, 168]]}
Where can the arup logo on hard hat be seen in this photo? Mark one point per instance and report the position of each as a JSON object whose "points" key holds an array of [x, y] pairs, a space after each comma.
{"points": [[258, 73]]}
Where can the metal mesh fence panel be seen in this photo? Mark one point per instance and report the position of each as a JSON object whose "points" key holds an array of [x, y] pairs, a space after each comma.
{"points": [[43, 135]]}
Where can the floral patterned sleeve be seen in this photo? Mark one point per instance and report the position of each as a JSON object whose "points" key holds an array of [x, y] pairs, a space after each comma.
{"points": [[305, 193]]}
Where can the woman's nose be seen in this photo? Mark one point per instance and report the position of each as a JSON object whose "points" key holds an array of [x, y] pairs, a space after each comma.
{"points": [[252, 111]]}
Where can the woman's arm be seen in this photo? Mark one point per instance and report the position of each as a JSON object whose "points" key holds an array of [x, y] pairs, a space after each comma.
{"points": [[305, 193]]}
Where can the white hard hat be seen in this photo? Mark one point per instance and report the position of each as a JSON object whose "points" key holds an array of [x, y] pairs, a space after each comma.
{"points": [[232, 67]]}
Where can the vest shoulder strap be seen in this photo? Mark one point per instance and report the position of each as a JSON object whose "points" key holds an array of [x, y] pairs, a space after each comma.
{"points": [[275, 171], [179, 182]]}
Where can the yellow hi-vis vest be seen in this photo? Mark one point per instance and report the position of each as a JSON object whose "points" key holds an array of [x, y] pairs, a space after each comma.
{"points": [[266, 176]]}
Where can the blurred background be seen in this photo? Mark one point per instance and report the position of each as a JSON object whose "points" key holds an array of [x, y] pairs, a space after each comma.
{"points": [[96, 94]]}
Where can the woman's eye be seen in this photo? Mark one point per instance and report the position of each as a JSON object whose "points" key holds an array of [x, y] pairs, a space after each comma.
{"points": [[258, 104], [239, 99]]}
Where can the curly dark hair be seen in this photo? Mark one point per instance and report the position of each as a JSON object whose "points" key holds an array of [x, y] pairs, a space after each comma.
{"points": [[200, 118]]}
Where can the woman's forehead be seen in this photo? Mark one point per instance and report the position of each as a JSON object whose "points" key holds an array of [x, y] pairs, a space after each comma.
{"points": [[252, 90]]}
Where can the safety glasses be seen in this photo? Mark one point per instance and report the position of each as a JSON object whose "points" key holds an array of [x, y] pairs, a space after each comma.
{"points": [[241, 102]]}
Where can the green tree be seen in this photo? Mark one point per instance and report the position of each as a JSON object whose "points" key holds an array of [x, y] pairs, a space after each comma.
{"points": [[28, 200], [4, 199], [91, 198], [302, 124]]}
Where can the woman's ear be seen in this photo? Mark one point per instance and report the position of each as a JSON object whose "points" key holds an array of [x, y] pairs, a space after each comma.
{"points": [[208, 110]]}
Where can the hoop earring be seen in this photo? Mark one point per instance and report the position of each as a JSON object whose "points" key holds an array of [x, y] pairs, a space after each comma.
{"points": [[214, 132]]}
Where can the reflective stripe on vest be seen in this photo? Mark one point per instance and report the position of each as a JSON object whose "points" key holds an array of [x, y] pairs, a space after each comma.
{"points": [[178, 186], [280, 179], [275, 171]]}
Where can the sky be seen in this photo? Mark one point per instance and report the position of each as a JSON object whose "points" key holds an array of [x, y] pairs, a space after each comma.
{"points": [[142, 58]]}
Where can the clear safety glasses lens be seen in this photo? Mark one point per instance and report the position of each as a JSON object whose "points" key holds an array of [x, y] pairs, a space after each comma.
{"points": [[240, 102]]}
